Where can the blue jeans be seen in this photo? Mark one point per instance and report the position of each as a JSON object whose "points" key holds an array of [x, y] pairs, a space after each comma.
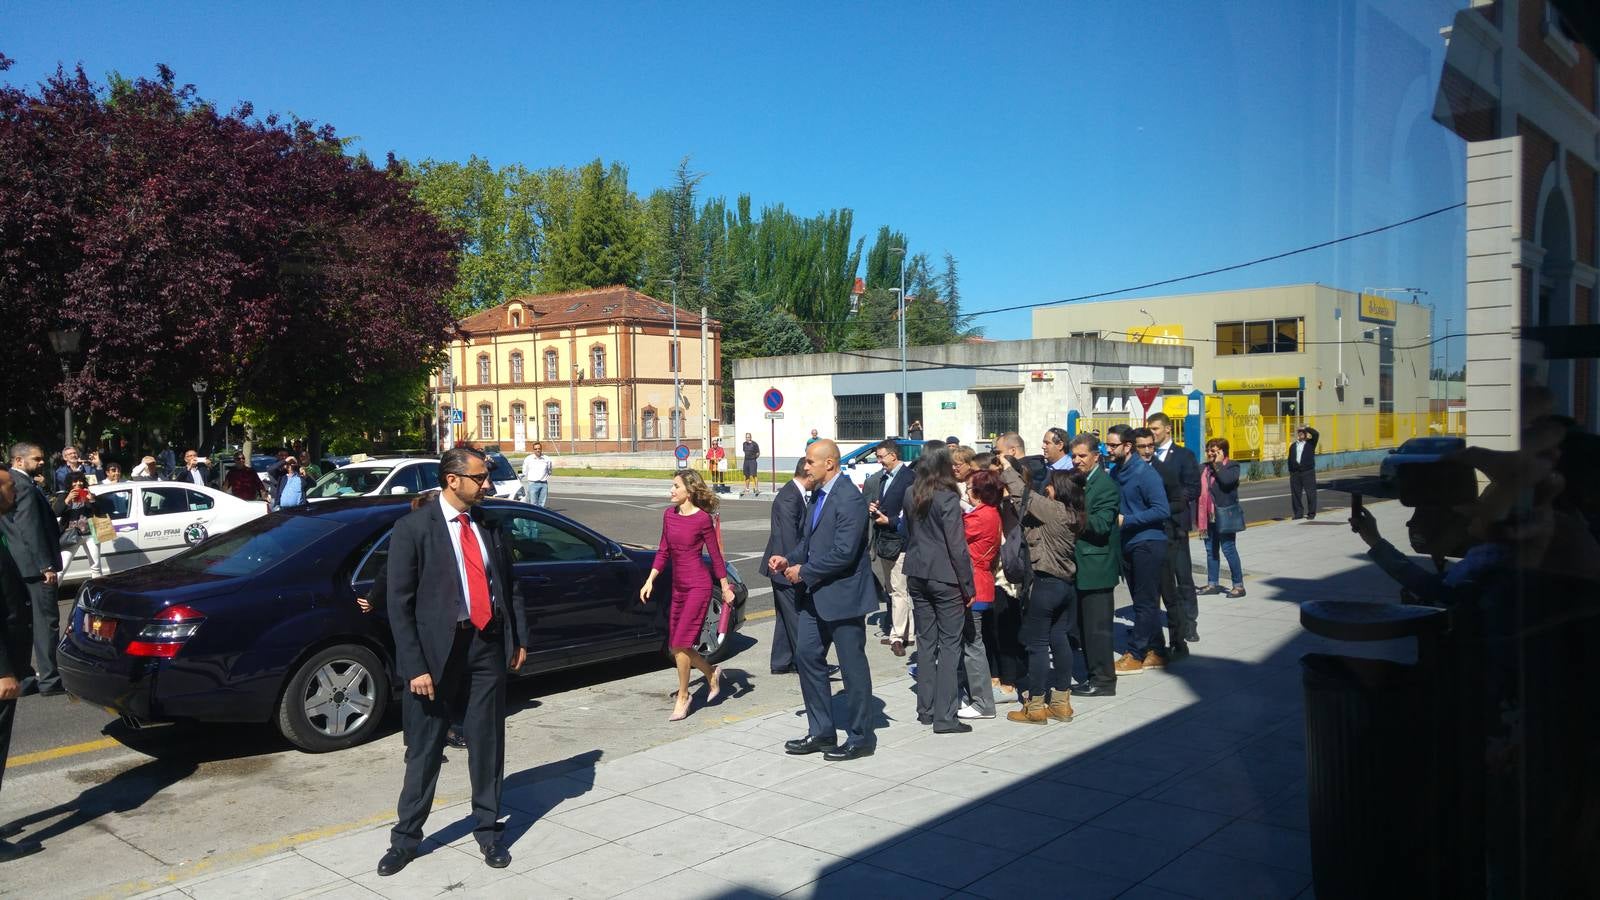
{"points": [[538, 492], [1229, 548]]}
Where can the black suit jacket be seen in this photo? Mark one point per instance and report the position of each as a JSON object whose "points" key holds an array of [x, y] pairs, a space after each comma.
{"points": [[891, 496], [1308, 454], [788, 517], [937, 549], [16, 620], [425, 596], [31, 530], [1182, 460], [835, 567]]}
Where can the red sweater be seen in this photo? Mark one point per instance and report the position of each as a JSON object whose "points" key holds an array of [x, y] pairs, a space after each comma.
{"points": [[983, 544]]}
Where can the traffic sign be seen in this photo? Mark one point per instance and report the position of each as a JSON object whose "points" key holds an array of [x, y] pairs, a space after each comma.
{"points": [[682, 452], [776, 415], [457, 417], [772, 399], [1146, 395]]}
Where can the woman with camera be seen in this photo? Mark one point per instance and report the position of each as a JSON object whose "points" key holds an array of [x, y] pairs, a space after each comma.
{"points": [[77, 524], [1222, 517]]}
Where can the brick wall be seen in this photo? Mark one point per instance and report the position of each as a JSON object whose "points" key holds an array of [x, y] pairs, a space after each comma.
{"points": [[1538, 152], [1577, 79], [1583, 179]]}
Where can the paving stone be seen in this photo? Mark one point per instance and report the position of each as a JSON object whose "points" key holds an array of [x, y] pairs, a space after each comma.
{"points": [[1213, 876], [951, 861]]}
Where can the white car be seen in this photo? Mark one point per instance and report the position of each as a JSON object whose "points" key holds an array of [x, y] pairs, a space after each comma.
{"points": [[371, 477], [157, 519]]}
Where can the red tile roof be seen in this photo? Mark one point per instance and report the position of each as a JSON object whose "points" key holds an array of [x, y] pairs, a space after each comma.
{"points": [[581, 307]]}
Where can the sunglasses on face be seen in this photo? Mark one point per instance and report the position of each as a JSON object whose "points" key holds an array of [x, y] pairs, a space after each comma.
{"points": [[478, 479]]}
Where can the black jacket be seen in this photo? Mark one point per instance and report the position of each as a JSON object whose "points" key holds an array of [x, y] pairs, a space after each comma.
{"points": [[788, 517], [31, 530], [1182, 459], [16, 620], [1308, 455], [1225, 484], [889, 540], [936, 543], [424, 596]]}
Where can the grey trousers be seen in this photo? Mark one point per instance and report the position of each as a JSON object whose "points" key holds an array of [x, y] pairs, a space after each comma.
{"points": [[940, 614], [975, 662], [46, 633]]}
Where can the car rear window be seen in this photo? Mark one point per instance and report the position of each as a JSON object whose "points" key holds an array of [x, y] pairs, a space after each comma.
{"points": [[254, 547], [500, 468]]}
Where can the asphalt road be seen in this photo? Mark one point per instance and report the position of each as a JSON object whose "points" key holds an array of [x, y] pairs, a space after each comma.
{"points": [[60, 732]]}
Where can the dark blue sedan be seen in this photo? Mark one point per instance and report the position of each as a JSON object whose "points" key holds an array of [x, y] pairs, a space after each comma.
{"points": [[260, 624]]}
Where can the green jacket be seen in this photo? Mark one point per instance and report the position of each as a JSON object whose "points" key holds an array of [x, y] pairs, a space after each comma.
{"points": [[1099, 551]]}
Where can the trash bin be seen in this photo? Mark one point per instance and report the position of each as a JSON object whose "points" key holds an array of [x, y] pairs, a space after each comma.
{"points": [[1378, 754]]}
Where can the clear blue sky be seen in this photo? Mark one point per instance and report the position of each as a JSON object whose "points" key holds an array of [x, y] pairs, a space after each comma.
{"points": [[1056, 149]]}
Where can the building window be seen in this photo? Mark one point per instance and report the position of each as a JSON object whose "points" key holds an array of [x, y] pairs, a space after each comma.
{"points": [[913, 409], [598, 420], [677, 424], [552, 421], [1260, 336], [997, 412], [519, 420], [447, 376], [483, 368], [516, 367], [597, 362], [516, 320], [1089, 335], [648, 424], [674, 351], [485, 422], [858, 417], [552, 366]]}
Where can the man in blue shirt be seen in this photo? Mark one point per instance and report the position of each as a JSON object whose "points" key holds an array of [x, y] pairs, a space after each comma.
{"points": [[1144, 546], [1055, 449]]}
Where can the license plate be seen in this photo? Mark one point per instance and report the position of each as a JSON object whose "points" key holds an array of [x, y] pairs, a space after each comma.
{"points": [[99, 628]]}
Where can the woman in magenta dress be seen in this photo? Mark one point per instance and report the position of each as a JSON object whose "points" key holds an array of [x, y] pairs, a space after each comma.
{"points": [[687, 528]]}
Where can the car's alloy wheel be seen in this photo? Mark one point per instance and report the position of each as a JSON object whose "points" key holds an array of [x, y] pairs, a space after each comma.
{"points": [[714, 649], [335, 699]]}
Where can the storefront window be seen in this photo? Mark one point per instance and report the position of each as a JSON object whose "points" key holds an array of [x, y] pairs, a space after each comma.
{"points": [[1260, 336]]}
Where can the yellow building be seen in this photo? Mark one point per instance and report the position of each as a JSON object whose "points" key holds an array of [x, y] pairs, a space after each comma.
{"points": [[583, 371]]}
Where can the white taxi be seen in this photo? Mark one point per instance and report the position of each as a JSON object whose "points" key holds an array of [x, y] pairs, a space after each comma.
{"points": [[153, 520], [371, 477]]}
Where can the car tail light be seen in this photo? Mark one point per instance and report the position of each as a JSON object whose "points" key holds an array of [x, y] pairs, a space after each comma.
{"points": [[165, 635]]}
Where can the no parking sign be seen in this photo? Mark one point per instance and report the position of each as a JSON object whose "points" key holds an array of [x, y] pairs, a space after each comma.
{"points": [[682, 453]]}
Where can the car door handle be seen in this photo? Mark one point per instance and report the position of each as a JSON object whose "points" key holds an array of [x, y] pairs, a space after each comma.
{"points": [[535, 580]]}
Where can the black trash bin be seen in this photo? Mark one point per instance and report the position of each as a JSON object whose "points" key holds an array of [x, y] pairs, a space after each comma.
{"points": [[1378, 754]]}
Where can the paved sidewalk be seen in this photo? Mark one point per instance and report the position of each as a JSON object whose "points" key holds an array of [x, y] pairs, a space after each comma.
{"points": [[1188, 783]]}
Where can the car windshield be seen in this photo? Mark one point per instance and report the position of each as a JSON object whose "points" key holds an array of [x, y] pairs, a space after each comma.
{"points": [[253, 547], [1430, 445], [500, 468], [350, 482]]}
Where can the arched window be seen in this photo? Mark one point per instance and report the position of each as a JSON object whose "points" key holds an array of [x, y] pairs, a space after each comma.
{"points": [[649, 425], [516, 320], [485, 422], [447, 375], [519, 420], [516, 367], [597, 362], [483, 368], [552, 366], [552, 421], [677, 424], [598, 416]]}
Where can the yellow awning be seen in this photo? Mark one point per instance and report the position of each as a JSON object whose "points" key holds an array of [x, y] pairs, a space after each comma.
{"points": [[1286, 383]]}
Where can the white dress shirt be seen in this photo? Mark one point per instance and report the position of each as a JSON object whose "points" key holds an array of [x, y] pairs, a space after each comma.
{"points": [[453, 526], [536, 468]]}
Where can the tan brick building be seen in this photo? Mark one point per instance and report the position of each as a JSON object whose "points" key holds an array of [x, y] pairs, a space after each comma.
{"points": [[582, 371]]}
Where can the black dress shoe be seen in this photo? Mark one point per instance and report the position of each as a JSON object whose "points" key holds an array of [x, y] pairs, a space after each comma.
{"points": [[1191, 634], [783, 670], [851, 751], [809, 744], [10, 851], [57, 691], [496, 855], [1179, 650], [952, 728], [456, 739], [1094, 690], [29, 688], [395, 860]]}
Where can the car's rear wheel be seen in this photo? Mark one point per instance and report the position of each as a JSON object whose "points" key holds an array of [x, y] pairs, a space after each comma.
{"points": [[715, 648], [336, 699]]}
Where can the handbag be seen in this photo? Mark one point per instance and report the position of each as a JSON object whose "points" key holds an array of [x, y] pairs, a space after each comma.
{"points": [[104, 531], [1230, 519]]}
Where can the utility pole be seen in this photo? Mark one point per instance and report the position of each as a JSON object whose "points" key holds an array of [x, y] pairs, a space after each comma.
{"points": [[705, 385], [902, 331], [676, 357]]}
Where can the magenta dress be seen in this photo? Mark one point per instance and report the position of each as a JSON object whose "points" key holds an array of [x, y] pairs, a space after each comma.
{"points": [[682, 538]]}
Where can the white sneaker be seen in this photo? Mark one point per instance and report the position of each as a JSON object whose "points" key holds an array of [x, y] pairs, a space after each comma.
{"points": [[968, 711]]}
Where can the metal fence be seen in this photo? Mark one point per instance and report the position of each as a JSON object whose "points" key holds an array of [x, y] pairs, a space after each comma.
{"points": [[1268, 437]]}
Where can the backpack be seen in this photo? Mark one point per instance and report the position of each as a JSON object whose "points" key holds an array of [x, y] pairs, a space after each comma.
{"points": [[1014, 561]]}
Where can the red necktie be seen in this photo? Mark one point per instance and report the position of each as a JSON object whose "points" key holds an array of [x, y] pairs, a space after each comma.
{"points": [[477, 581]]}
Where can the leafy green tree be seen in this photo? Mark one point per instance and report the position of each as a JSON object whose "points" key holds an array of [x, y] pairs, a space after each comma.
{"points": [[883, 263], [874, 325], [599, 243], [496, 213]]}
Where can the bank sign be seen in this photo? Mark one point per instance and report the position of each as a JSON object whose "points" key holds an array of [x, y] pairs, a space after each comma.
{"points": [[1380, 310]]}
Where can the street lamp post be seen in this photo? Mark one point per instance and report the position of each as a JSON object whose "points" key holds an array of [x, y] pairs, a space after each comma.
{"points": [[674, 355], [904, 428], [65, 343], [199, 413]]}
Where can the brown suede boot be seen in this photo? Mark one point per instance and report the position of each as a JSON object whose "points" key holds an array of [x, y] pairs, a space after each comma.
{"points": [[1060, 707], [1033, 712]]}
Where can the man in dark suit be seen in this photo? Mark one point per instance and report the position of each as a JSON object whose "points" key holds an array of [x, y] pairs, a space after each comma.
{"points": [[1303, 472], [886, 493], [831, 569], [16, 639], [1171, 593], [195, 470], [33, 536], [1177, 587], [458, 625], [788, 517], [1098, 553]]}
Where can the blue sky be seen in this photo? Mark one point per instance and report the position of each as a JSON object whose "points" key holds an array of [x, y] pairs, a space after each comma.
{"points": [[1056, 149]]}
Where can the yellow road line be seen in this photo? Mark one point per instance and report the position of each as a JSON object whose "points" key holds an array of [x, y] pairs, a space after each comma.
{"points": [[761, 614], [59, 752]]}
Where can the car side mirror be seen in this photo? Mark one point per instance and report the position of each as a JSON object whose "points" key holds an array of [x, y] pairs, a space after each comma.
{"points": [[399, 489]]}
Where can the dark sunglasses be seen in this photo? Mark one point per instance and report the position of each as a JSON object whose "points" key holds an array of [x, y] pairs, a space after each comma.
{"points": [[478, 479]]}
